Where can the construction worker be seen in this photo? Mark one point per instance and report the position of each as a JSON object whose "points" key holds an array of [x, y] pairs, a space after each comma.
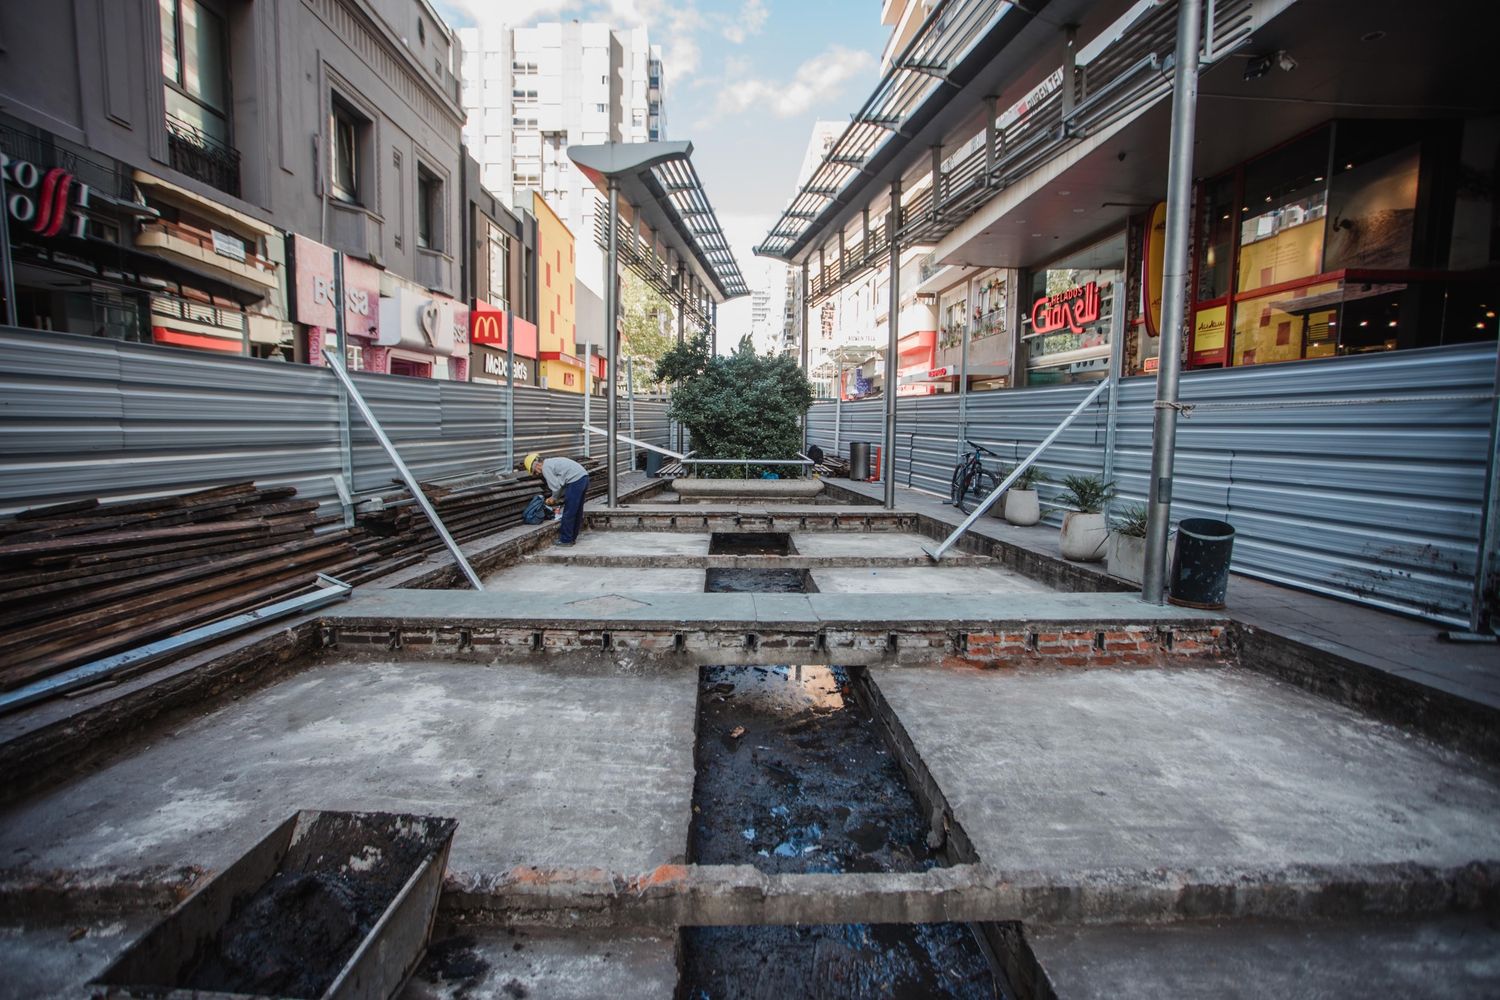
{"points": [[567, 482]]}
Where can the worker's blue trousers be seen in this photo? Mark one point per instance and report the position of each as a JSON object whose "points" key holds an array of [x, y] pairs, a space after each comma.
{"points": [[572, 519]]}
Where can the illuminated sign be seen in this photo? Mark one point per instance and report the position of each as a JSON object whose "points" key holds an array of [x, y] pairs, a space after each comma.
{"points": [[1070, 310], [489, 328], [48, 202]]}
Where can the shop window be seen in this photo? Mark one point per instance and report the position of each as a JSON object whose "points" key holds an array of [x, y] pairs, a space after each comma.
{"points": [[429, 209], [1216, 239], [1372, 197], [1475, 241], [1281, 220], [1067, 327], [350, 136]]}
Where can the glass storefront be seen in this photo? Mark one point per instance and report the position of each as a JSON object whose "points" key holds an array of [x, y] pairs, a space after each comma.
{"points": [[1065, 327], [1346, 240]]}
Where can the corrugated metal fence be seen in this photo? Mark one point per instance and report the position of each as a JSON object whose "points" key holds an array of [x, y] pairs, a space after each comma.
{"points": [[1373, 501], [84, 416]]}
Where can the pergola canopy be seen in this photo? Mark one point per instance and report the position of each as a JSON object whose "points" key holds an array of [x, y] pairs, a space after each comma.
{"points": [[658, 180]]}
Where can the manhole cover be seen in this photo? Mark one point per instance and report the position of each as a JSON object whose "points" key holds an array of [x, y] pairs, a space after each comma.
{"points": [[608, 604]]}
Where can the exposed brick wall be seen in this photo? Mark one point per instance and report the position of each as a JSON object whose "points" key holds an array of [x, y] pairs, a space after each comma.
{"points": [[1110, 646]]}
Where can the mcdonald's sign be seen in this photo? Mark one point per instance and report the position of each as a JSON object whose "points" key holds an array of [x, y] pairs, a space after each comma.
{"points": [[487, 325]]}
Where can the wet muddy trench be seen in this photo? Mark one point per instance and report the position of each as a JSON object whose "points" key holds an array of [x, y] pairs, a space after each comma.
{"points": [[794, 776]]}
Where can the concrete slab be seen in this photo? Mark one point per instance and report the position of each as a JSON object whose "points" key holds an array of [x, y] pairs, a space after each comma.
{"points": [[562, 578], [494, 963], [925, 580], [1455, 958], [1138, 769], [540, 766], [853, 544], [636, 543], [50, 960]]}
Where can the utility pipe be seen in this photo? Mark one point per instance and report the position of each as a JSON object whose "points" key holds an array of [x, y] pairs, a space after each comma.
{"points": [[802, 342], [510, 387], [611, 339], [341, 344], [1174, 299], [887, 450]]}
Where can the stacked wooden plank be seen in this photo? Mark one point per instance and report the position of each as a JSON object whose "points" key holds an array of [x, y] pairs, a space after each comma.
{"points": [[82, 580], [393, 527]]}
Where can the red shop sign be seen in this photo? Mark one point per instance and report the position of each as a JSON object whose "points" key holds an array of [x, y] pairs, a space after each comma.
{"points": [[1070, 310]]}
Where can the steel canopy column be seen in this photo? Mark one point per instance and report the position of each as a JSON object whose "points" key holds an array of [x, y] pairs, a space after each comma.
{"points": [[681, 328], [888, 446], [611, 344], [1174, 298], [802, 342], [510, 389]]}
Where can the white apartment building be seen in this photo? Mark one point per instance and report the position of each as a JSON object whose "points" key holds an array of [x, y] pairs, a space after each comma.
{"points": [[530, 93]]}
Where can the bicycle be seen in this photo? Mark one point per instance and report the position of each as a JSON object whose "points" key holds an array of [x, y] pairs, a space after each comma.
{"points": [[971, 478]]}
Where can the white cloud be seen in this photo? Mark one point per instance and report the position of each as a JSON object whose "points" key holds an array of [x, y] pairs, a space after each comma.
{"points": [[750, 20], [817, 79], [511, 13]]}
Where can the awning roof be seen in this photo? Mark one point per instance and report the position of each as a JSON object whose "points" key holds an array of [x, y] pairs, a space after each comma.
{"points": [[658, 179], [953, 54]]}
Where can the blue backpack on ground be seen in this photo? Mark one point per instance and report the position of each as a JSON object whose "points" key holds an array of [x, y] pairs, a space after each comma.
{"points": [[536, 511]]}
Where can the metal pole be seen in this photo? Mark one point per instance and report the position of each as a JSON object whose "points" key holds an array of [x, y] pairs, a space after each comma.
{"points": [[341, 340], [1116, 369], [1489, 521], [611, 342], [681, 330], [1174, 299], [337, 364], [510, 390], [244, 332], [963, 384], [991, 139], [7, 268], [887, 448], [588, 396], [630, 396], [838, 405], [713, 312], [802, 339]]}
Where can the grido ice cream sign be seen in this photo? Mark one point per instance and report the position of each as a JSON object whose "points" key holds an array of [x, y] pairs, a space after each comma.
{"points": [[49, 202]]}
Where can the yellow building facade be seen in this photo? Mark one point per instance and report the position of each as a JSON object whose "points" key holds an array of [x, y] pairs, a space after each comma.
{"points": [[557, 331]]}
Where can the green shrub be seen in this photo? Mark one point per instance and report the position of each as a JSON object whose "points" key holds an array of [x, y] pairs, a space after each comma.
{"points": [[741, 406], [1087, 494]]}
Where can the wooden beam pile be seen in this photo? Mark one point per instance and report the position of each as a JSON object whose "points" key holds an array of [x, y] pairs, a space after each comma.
{"points": [[399, 534], [82, 580]]}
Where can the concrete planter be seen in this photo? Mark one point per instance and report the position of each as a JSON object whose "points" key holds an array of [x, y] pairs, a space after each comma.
{"points": [[1126, 557], [1084, 536], [1021, 508]]}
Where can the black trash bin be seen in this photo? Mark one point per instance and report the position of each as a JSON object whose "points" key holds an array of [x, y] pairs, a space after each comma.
{"points": [[653, 462], [1200, 568], [859, 460]]}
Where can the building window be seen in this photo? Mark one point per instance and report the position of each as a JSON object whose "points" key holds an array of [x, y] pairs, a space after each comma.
{"points": [[350, 134], [499, 268], [429, 210], [195, 71], [601, 108]]}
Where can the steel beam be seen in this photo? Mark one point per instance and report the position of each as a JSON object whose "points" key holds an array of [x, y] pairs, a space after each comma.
{"points": [[893, 324], [611, 341]]}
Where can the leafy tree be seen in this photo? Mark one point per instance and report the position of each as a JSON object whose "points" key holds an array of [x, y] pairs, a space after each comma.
{"points": [[644, 319], [744, 405]]}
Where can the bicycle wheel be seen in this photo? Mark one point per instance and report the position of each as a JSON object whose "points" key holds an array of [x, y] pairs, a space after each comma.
{"points": [[966, 485], [956, 485]]}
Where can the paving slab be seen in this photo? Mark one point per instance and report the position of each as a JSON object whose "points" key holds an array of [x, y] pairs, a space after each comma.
{"points": [[1454, 958], [635, 543], [540, 767], [925, 580], [1092, 769], [853, 544], [562, 578], [496, 963]]}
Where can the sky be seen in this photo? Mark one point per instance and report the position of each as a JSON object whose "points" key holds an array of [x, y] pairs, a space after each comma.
{"points": [[745, 81]]}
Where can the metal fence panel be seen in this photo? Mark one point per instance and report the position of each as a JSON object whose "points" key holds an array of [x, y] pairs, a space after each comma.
{"points": [[1374, 502], [83, 417]]}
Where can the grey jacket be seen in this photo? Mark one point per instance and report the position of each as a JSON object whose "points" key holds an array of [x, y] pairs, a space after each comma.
{"points": [[559, 473]]}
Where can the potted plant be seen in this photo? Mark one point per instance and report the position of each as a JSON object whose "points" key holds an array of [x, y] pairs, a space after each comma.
{"points": [[1084, 532], [1021, 506], [1126, 556]]}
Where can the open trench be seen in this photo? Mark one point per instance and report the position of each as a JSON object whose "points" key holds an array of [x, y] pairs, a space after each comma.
{"points": [[794, 776]]}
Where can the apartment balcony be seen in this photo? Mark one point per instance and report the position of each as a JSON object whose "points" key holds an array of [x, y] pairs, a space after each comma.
{"points": [[220, 253], [434, 270], [202, 157], [354, 229]]}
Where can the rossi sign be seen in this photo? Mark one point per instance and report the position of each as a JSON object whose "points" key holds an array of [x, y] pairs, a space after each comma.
{"points": [[49, 203]]}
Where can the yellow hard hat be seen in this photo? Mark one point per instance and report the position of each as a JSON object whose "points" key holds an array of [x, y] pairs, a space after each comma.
{"points": [[529, 461]]}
